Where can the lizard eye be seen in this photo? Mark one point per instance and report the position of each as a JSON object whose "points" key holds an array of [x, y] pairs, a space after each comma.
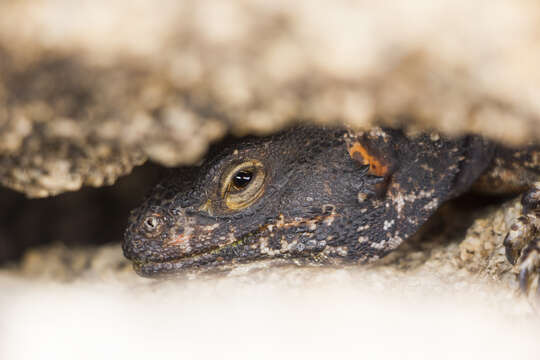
{"points": [[243, 184]]}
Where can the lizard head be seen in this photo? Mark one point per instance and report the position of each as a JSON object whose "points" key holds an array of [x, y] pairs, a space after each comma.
{"points": [[279, 197]]}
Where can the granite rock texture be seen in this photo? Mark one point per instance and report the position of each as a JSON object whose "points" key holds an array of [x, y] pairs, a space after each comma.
{"points": [[88, 91]]}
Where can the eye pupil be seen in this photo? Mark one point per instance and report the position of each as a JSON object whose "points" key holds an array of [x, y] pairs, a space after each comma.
{"points": [[242, 178]]}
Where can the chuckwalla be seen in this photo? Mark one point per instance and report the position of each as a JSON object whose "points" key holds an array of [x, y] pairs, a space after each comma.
{"points": [[325, 196]]}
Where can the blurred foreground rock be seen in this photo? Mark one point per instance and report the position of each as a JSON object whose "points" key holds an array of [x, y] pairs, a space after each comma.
{"points": [[88, 90]]}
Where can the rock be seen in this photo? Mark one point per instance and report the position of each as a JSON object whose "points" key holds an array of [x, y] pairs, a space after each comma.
{"points": [[86, 97]]}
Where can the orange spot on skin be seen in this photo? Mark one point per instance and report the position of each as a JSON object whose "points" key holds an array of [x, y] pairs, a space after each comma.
{"points": [[178, 240], [360, 153]]}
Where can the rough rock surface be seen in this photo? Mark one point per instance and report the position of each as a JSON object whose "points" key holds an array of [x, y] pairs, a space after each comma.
{"points": [[88, 91]]}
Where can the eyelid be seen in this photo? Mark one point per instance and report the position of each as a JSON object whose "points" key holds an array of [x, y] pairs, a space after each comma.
{"points": [[247, 196], [227, 181]]}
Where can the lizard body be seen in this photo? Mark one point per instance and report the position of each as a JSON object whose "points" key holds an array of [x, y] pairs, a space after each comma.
{"points": [[323, 196]]}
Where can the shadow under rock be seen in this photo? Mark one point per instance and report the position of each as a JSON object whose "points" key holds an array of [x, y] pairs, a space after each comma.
{"points": [[90, 216]]}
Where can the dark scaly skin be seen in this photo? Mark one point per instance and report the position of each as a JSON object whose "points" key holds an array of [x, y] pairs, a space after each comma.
{"points": [[329, 196]]}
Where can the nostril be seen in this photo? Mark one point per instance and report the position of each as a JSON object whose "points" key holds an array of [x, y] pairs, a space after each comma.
{"points": [[151, 223]]}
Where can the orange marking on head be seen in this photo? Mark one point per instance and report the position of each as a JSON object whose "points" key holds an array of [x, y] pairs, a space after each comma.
{"points": [[178, 240], [376, 167]]}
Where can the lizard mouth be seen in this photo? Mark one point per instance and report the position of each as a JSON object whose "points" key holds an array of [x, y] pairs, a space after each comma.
{"points": [[216, 258]]}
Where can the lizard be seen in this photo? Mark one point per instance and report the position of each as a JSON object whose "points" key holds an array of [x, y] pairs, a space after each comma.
{"points": [[315, 195]]}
